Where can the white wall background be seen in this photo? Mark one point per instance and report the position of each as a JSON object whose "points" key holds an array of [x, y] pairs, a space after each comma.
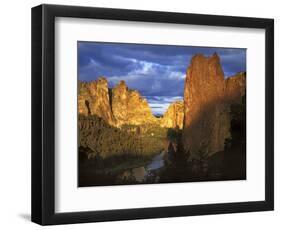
{"points": [[15, 114]]}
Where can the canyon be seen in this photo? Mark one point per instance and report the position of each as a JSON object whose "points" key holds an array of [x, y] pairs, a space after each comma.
{"points": [[119, 132]]}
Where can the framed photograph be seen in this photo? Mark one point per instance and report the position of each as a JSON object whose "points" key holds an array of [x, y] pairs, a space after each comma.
{"points": [[142, 114]]}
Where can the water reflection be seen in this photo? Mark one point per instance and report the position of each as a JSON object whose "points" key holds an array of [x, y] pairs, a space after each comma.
{"points": [[144, 173]]}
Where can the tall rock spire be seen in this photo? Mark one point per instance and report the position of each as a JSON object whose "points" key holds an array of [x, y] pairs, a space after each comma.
{"points": [[206, 115]]}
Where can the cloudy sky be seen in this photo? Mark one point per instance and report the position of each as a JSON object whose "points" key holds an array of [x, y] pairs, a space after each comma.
{"points": [[156, 71]]}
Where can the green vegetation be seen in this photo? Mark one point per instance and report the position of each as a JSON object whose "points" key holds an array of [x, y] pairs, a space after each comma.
{"points": [[100, 140], [106, 151], [113, 164]]}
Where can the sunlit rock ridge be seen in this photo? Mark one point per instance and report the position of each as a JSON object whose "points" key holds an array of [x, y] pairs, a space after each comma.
{"points": [[173, 117], [93, 99], [129, 107], [116, 106]]}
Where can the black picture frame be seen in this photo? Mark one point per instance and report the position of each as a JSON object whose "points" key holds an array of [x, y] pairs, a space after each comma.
{"points": [[43, 114]]}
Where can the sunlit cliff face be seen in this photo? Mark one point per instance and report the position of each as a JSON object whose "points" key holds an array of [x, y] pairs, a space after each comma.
{"points": [[120, 105]]}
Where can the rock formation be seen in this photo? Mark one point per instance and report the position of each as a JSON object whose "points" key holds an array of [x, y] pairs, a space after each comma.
{"points": [[93, 99], [116, 106], [173, 117], [206, 114], [235, 87], [119, 102], [129, 107]]}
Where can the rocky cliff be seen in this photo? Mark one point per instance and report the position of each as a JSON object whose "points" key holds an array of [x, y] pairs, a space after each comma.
{"points": [[93, 99], [235, 87], [206, 107], [173, 117], [116, 106], [129, 107]]}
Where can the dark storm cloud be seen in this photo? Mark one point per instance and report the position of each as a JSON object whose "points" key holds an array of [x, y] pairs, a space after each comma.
{"points": [[154, 70]]}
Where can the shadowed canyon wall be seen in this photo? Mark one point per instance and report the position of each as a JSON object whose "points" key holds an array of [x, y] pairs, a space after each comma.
{"points": [[235, 88], [207, 100]]}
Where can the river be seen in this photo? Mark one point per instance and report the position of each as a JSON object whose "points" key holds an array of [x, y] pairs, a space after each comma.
{"points": [[147, 172]]}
